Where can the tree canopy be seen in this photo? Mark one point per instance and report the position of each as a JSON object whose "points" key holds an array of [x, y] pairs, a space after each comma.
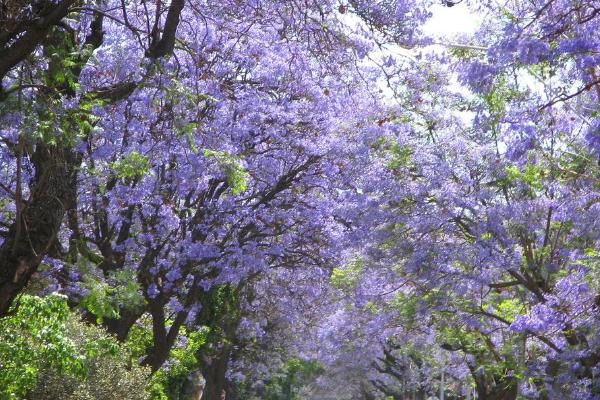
{"points": [[299, 199]]}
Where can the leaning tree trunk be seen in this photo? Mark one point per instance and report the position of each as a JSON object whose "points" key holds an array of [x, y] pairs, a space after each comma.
{"points": [[500, 388], [214, 371], [37, 220], [193, 386]]}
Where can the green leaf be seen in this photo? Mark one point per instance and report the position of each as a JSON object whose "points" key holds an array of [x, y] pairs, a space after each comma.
{"points": [[235, 174], [133, 165]]}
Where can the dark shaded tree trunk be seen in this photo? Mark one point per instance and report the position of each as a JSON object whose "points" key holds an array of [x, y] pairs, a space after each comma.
{"points": [[122, 325], [220, 312], [38, 220], [163, 338], [499, 388], [193, 386], [214, 371]]}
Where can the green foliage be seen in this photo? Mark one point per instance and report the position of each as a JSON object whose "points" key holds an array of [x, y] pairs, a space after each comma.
{"points": [[167, 383], [527, 180], [47, 352], [139, 338], [108, 379], [111, 373], [58, 124], [406, 306], [62, 59], [56, 119], [496, 99], [295, 374], [181, 95], [104, 299], [188, 130], [98, 301], [508, 308], [465, 53], [495, 361], [30, 340], [235, 174], [397, 156], [132, 165], [530, 174], [177, 93], [346, 276]]}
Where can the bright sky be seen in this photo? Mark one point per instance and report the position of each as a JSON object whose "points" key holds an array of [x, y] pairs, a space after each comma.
{"points": [[446, 26], [448, 21]]}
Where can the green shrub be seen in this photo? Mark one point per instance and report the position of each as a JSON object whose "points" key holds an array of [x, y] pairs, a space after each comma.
{"points": [[47, 352]]}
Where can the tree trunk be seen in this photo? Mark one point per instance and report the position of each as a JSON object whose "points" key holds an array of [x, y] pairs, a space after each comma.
{"points": [[122, 325], [37, 223], [500, 388], [214, 371], [193, 386]]}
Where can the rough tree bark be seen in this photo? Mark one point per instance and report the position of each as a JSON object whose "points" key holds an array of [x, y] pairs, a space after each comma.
{"points": [[499, 388], [214, 370], [33, 232]]}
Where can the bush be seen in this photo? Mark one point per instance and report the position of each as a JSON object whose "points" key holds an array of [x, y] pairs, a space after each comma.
{"points": [[47, 352]]}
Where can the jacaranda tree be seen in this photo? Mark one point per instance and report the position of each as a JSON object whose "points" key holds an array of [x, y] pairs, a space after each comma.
{"points": [[293, 197]]}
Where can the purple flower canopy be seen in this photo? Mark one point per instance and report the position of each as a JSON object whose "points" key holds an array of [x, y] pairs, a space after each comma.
{"points": [[314, 180]]}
